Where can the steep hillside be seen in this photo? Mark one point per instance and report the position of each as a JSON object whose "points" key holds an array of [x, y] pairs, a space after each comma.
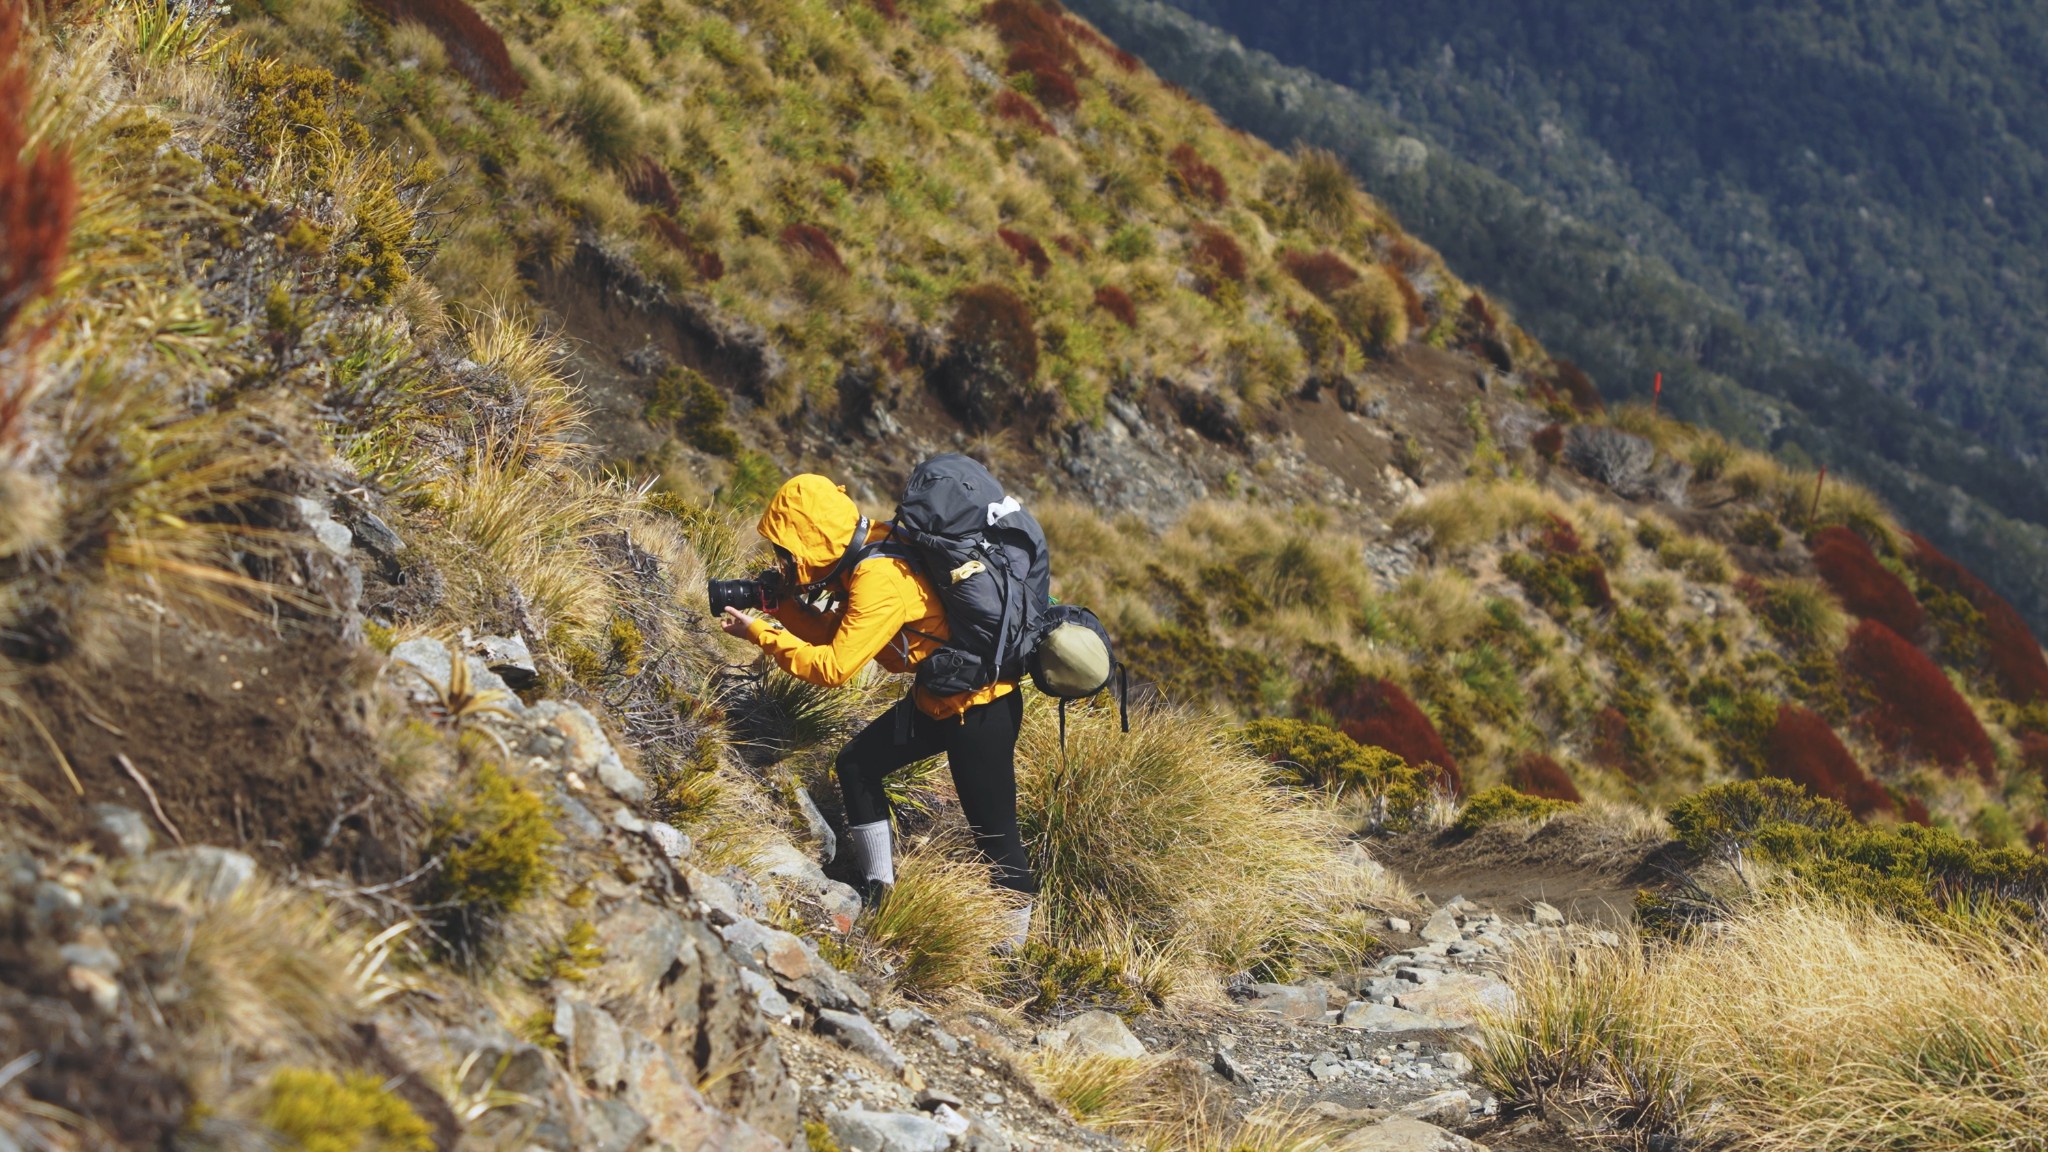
{"points": [[379, 386], [1616, 278]]}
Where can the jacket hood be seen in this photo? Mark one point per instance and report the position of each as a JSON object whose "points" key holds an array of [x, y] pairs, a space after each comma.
{"points": [[814, 519]]}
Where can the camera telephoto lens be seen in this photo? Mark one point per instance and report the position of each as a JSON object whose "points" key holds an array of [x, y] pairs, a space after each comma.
{"points": [[736, 594]]}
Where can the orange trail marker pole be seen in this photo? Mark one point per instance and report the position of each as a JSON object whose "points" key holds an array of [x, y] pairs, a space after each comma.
{"points": [[1656, 391], [1817, 482]]}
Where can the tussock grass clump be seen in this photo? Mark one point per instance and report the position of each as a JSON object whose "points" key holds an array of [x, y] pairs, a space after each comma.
{"points": [[941, 923], [1795, 1025], [1170, 840], [495, 844]]}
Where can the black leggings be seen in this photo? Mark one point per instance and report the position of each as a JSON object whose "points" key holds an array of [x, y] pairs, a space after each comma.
{"points": [[981, 749]]}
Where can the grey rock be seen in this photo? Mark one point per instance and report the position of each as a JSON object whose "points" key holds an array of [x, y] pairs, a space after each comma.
{"points": [[1290, 1002], [931, 1098], [1401, 1134], [1387, 1018], [321, 523], [1545, 915], [1451, 1107], [950, 1121], [120, 833], [720, 901], [1412, 974], [859, 1130], [428, 662], [773, 1003], [820, 829], [1230, 1068], [1456, 1063], [857, 1033], [1326, 1067], [984, 1134], [212, 875], [785, 861], [668, 840], [597, 1048], [611, 1126], [372, 532], [1094, 1033], [1441, 927], [641, 943], [1397, 924], [904, 1019], [627, 820], [574, 815], [793, 963], [1459, 998], [91, 957], [584, 748], [510, 658]]}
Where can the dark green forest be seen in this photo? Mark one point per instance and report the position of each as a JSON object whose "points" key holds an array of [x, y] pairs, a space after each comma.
{"points": [[1823, 226]]}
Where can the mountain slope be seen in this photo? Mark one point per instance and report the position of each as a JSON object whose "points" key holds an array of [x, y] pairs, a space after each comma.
{"points": [[1607, 277]]}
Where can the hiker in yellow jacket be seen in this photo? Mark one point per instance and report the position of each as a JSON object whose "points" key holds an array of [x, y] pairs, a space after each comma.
{"points": [[886, 611]]}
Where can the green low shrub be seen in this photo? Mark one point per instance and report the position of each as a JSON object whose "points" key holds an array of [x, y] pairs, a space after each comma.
{"points": [[1493, 805], [1318, 757], [315, 1111]]}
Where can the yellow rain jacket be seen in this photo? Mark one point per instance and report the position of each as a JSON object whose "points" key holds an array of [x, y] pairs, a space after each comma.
{"points": [[888, 612]]}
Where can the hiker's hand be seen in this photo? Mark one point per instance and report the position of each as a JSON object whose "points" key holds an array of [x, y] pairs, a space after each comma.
{"points": [[737, 623]]}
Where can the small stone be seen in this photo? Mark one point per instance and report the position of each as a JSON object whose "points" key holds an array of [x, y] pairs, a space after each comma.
{"points": [[1401, 1134], [1227, 1065], [612, 1126], [1384, 1018], [819, 828], [1441, 927], [859, 1130], [1459, 998], [626, 820], [1397, 924], [950, 1121], [96, 957], [1456, 1063], [1289, 1002], [773, 1003], [120, 833], [1417, 975], [1326, 1067], [510, 658], [1451, 1107], [212, 875], [786, 861], [983, 1134], [857, 1033], [97, 986], [321, 523], [1094, 1033], [668, 840], [931, 1098], [585, 747], [597, 1047], [1545, 915], [992, 1099], [840, 901]]}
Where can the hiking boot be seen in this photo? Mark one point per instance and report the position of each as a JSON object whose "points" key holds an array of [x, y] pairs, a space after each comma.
{"points": [[873, 892]]}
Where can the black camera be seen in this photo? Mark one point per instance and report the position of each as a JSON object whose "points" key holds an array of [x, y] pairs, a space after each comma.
{"points": [[762, 593]]}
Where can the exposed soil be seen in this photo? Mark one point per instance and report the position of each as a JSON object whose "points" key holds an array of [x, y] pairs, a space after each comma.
{"points": [[1590, 875], [250, 738]]}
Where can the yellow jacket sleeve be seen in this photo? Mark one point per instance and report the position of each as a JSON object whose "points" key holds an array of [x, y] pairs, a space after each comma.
{"points": [[878, 603]]}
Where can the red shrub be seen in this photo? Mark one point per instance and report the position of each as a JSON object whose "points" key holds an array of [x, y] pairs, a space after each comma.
{"points": [[1614, 746], [1024, 24], [1802, 748], [1538, 775], [1196, 176], [1406, 255], [1218, 255], [708, 264], [1050, 82], [2034, 753], [847, 177], [1914, 705], [1071, 244], [1418, 313], [1548, 441], [1378, 712], [474, 48], [1323, 273], [2014, 653], [1866, 587], [1012, 106], [1480, 313], [648, 182], [2037, 836], [1082, 32], [1560, 537], [1117, 303], [887, 8], [991, 360], [1028, 250], [812, 241], [1572, 380], [38, 194], [1915, 812]]}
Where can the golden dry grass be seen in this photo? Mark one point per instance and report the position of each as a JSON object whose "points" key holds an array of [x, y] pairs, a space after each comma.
{"points": [[1796, 1025]]}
